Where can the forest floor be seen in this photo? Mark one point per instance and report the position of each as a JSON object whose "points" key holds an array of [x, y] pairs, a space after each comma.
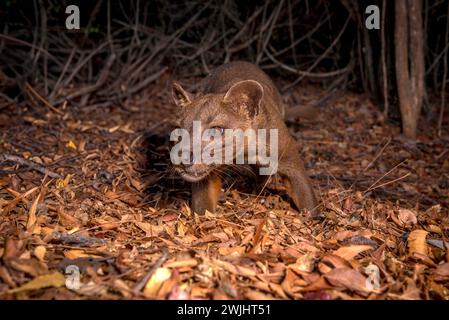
{"points": [[98, 197]]}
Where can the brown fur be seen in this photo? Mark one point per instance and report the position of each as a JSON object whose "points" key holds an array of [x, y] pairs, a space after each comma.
{"points": [[240, 95]]}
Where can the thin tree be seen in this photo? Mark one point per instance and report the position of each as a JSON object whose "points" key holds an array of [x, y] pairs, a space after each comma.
{"points": [[409, 61]]}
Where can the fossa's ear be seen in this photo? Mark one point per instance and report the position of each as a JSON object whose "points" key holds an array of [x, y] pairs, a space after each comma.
{"points": [[181, 97], [245, 96]]}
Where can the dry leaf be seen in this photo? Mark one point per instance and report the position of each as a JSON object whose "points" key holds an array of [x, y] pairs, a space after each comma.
{"points": [[235, 269], [106, 224], [348, 278], [288, 283], [13, 248], [257, 234], [39, 252], [417, 242], [67, 220], [319, 284], [442, 270], [407, 217], [412, 292], [257, 295], [71, 145], [305, 263], [55, 279], [150, 229], [342, 235], [62, 183], [181, 228], [75, 254], [123, 288], [157, 279], [179, 293], [332, 261], [32, 267], [231, 251], [187, 263], [32, 213], [435, 229], [348, 253]]}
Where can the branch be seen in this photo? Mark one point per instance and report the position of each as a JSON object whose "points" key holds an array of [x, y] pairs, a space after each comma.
{"points": [[31, 164]]}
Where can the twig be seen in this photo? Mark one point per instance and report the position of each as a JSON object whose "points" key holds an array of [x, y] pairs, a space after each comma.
{"points": [[377, 155], [308, 73], [12, 39], [100, 81], [141, 284], [39, 97], [64, 70], [388, 182], [373, 186], [321, 57], [78, 239], [31, 164], [270, 31]]}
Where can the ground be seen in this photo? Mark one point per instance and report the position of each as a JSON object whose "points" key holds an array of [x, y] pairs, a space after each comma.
{"points": [[100, 199]]}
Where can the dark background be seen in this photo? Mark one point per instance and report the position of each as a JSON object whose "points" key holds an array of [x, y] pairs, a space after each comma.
{"points": [[191, 37]]}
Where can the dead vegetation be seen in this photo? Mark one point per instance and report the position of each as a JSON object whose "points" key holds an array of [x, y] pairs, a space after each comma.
{"points": [[85, 182], [121, 217]]}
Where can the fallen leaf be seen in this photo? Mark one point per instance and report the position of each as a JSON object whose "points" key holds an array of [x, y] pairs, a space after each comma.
{"points": [[318, 284], [32, 267], [157, 279], [440, 290], [442, 270], [407, 217], [342, 235], [13, 248], [39, 252], [288, 283], [332, 261], [67, 220], [317, 295], [150, 229], [179, 293], [417, 242], [348, 253], [438, 243], [412, 292], [106, 224], [349, 279], [55, 279], [123, 288], [257, 295], [435, 229], [75, 254], [32, 213], [304, 263], [235, 269], [257, 235], [181, 228], [231, 251], [62, 183], [71, 145], [187, 263]]}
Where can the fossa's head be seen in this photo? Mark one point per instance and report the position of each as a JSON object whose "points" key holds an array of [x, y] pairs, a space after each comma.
{"points": [[238, 108]]}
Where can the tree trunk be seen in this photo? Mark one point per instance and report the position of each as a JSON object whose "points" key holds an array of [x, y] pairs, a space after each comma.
{"points": [[409, 76]]}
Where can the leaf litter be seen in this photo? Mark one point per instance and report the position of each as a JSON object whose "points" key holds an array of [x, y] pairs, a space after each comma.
{"points": [[121, 217]]}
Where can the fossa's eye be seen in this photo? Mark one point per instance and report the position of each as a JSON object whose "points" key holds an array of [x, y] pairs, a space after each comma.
{"points": [[219, 129]]}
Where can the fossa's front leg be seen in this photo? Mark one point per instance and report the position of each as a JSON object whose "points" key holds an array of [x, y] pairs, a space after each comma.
{"points": [[205, 194], [298, 185]]}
